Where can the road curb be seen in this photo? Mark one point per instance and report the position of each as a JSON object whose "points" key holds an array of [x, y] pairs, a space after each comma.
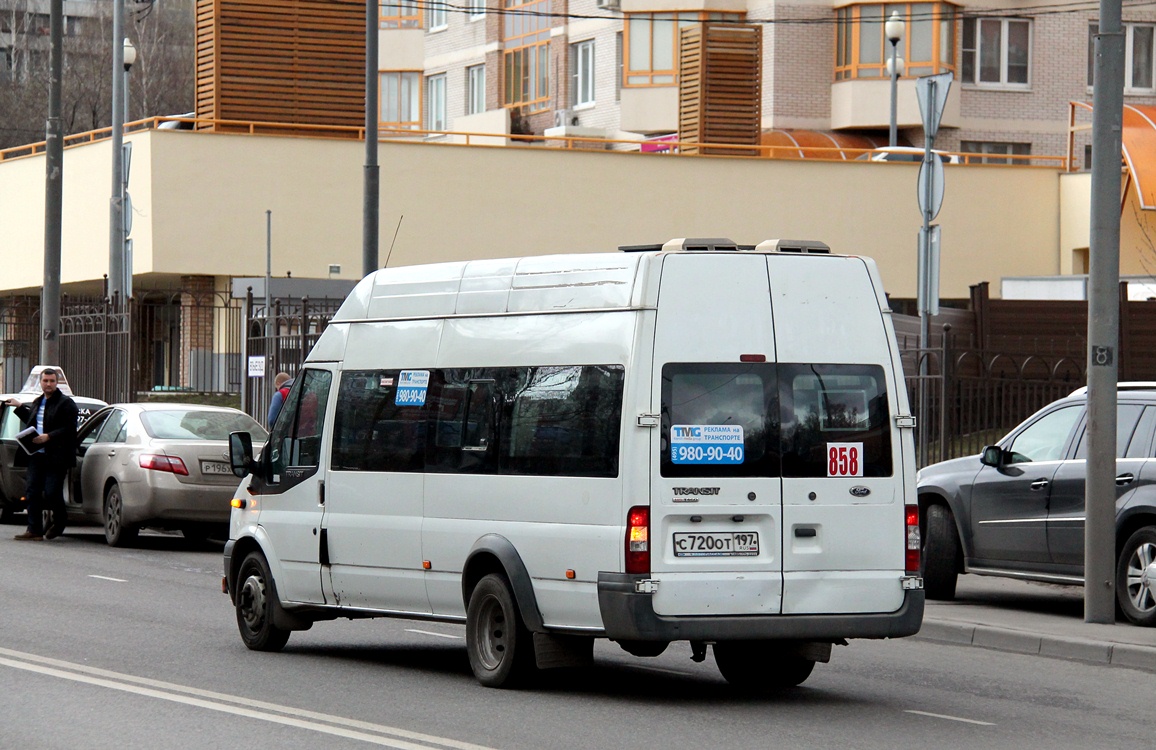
{"points": [[1126, 655]]}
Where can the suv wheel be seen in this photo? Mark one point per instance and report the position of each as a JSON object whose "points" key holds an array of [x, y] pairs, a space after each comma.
{"points": [[940, 553], [1136, 577]]}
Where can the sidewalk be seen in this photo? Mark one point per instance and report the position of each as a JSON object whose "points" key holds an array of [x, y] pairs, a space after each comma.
{"points": [[1035, 618]]}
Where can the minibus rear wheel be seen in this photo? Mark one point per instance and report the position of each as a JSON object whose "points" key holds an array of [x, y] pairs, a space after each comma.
{"points": [[761, 665], [500, 646], [256, 598]]}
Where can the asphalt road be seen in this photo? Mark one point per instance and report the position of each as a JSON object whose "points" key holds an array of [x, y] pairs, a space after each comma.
{"points": [[104, 648]]}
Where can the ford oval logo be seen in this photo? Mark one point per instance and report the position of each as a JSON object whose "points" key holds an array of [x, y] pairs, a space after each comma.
{"points": [[860, 491]]}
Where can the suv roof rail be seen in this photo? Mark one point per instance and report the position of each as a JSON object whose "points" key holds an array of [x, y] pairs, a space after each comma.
{"points": [[1128, 385]]}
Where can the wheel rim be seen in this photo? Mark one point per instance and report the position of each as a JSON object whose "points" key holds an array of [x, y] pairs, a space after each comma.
{"points": [[493, 633], [112, 516], [1141, 576], [251, 602]]}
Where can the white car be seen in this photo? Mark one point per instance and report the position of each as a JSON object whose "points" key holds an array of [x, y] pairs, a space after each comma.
{"points": [[906, 153]]}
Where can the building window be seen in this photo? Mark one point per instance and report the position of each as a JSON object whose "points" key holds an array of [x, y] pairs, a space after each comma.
{"points": [[477, 9], [582, 65], [401, 100], [1138, 57], [994, 147], [435, 94], [475, 89], [862, 48], [400, 14], [437, 15], [997, 51], [618, 66], [651, 43], [526, 57]]}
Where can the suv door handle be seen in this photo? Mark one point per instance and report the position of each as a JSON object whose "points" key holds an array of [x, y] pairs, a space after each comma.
{"points": [[1039, 484], [1124, 479]]}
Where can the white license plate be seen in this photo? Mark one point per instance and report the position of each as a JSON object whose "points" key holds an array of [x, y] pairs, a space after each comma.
{"points": [[215, 467], [724, 544]]}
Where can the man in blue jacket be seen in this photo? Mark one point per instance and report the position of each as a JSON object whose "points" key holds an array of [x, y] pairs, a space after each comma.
{"points": [[53, 414]]}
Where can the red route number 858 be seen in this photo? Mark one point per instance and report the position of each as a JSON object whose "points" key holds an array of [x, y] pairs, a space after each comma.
{"points": [[844, 459]]}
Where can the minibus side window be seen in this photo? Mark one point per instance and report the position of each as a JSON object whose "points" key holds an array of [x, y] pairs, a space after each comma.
{"points": [[463, 407], [562, 421], [719, 420], [835, 421], [296, 437], [371, 430]]}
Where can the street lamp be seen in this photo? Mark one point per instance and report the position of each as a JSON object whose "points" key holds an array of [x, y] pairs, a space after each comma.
{"points": [[129, 59], [125, 200], [894, 30]]}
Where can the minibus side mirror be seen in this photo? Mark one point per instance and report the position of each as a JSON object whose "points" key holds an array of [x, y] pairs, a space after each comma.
{"points": [[992, 455], [241, 453]]}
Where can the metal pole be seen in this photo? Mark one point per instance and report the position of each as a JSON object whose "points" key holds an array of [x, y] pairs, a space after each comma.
{"points": [[1104, 318], [53, 194], [268, 271], [372, 200], [924, 266], [116, 203], [894, 135]]}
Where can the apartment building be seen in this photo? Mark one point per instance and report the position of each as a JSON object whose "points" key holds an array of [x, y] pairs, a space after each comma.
{"points": [[609, 68], [24, 33]]}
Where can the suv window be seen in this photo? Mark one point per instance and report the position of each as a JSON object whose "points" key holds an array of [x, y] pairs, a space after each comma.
{"points": [[1044, 439], [1127, 415]]}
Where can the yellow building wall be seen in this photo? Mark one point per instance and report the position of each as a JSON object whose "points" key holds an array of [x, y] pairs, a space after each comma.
{"points": [[200, 200]]}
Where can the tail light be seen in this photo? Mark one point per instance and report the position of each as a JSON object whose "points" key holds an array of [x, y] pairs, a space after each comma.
{"points": [[638, 540], [911, 560], [161, 462]]}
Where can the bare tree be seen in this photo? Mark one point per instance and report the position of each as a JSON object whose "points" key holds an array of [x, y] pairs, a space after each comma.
{"points": [[161, 82]]}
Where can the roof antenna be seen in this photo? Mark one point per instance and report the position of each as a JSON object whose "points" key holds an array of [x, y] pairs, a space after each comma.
{"points": [[395, 231]]}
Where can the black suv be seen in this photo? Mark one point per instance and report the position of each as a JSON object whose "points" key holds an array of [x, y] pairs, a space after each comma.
{"points": [[1017, 509]]}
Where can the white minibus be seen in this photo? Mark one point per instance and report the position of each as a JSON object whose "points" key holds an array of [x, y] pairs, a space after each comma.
{"points": [[697, 441]]}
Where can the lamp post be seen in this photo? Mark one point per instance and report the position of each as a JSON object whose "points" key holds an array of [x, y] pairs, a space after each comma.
{"points": [[116, 136], [894, 30], [125, 201], [129, 59]]}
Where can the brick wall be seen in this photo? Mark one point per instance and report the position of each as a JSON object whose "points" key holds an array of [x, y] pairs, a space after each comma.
{"points": [[196, 324]]}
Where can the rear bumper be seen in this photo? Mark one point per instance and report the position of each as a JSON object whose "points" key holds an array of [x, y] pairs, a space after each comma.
{"points": [[629, 615]]}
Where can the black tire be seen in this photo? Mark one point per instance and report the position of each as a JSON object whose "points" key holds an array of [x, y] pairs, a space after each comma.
{"points": [[500, 647], [940, 554], [761, 666], [116, 532], [256, 600], [1136, 577], [644, 648]]}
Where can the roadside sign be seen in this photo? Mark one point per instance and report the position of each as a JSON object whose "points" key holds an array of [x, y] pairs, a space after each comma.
{"points": [[930, 187], [257, 367], [932, 94]]}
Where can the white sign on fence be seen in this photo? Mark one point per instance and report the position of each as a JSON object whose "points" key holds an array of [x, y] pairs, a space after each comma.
{"points": [[257, 367]]}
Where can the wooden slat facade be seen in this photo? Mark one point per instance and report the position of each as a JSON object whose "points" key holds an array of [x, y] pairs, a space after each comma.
{"points": [[283, 61], [720, 87]]}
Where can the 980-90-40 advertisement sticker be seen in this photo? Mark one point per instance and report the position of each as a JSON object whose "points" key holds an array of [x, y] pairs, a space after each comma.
{"points": [[412, 386], [706, 444]]}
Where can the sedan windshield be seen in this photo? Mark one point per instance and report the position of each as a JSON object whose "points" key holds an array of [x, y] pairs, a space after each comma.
{"points": [[199, 425]]}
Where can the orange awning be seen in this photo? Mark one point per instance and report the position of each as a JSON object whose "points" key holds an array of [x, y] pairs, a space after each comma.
{"points": [[817, 144], [1139, 146]]}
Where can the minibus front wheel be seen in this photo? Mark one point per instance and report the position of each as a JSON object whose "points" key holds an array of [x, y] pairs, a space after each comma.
{"points": [[256, 599], [500, 646]]}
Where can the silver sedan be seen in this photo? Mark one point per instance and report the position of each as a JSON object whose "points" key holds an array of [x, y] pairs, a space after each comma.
{"points": [[158, 465]]}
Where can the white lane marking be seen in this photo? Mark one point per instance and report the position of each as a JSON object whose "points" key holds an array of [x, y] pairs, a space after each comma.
{"points": [[439, 635], [951, 718], [220, 702], [106, 578]]}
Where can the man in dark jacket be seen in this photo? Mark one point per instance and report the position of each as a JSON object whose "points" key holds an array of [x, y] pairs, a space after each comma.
{"points": [[53, 414]]}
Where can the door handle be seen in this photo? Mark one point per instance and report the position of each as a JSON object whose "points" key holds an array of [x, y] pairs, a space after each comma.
{"points": [[1124, 479], [1039, 484]]}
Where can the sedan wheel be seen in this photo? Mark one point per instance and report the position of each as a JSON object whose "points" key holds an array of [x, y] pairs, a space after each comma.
{"points": [[1136, 577], [116, 532]]}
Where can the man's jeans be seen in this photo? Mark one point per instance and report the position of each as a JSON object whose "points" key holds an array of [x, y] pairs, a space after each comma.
{"points": [[44, 488]]}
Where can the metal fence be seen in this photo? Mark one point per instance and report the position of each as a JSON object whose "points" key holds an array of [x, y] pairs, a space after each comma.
{"points": [[277, 339], [975, 396]]}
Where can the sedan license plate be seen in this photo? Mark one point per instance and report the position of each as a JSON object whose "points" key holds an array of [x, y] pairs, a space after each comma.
{"points": [[215, 467], [718, 544]]}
